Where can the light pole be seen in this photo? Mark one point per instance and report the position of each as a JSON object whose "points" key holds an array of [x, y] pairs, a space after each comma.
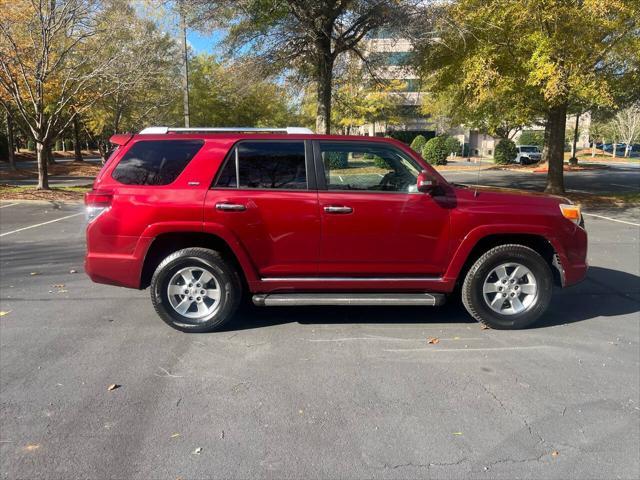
{"points": [[185, 70]]}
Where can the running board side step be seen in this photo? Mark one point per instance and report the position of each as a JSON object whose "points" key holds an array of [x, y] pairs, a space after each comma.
{"points": [[291, 299]]}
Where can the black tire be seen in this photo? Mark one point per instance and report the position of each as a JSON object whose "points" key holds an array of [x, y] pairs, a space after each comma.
{"points": [[227, 278], [472, 288]]}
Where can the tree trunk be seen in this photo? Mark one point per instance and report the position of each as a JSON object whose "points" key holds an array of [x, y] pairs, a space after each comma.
{"points": [[49, 153], [574, 157], [10, 143], [324, 80], [556, 124], [545, 144], [76, 140], [43, 172], [185, 67]]}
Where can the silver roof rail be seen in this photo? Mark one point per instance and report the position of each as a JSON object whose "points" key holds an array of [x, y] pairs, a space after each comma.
{"points": [[163, 130]]}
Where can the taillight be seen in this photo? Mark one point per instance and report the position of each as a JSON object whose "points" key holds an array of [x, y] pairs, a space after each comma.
{"points": [[96, 202]]}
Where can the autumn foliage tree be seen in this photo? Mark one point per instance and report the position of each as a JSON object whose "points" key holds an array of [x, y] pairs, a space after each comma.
{"points": [[533, 60], [305, 36], [59, 58]]}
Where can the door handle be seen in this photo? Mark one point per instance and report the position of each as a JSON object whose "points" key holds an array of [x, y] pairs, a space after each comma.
{"points": [[338, 209], [230, 207]]}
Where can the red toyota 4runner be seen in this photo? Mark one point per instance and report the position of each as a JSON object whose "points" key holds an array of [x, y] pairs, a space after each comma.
{"points": [[205, 216]]}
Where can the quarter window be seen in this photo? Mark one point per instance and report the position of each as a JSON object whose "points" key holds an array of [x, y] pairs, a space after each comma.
{"points": [[265, 164], [155, 162], [369, 167]]}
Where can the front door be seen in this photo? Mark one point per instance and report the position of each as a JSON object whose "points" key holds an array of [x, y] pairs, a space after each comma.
{"points": [[265, 195], [374, 222]]}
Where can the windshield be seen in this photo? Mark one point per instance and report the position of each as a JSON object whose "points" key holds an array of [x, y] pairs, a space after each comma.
{"points": [[529, 149]]}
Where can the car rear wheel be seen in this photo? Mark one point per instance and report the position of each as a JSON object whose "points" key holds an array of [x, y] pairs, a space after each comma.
{"points": [[195, 290], [509, 287]]}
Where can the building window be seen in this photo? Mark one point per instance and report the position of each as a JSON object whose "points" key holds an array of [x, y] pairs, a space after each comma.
{"points": [[390, 58]]}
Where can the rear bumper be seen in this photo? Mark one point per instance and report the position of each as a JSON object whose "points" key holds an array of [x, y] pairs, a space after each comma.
{"points": [[120, 270]]}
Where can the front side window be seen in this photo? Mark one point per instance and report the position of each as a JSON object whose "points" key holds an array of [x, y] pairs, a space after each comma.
{"points": [[265, 164], [155, 162], [529, 149], [368, 167]]}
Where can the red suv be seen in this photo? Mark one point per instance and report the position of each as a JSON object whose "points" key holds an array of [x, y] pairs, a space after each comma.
{"points": [[205, 216]]}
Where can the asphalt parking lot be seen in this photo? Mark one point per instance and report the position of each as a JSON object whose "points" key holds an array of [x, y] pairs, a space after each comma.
{"points": [[315, 392]]}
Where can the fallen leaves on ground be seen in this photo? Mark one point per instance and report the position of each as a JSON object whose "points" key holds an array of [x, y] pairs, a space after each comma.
{"points": [[485, 327], [433, 340], [3, 313], [555, 453], [197, 451], [73, 270], [58, 285], [113, 386], [175, 435], [457, 433], [34, 273], [31, 447]]}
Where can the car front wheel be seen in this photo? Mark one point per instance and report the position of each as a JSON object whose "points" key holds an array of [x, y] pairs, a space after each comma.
{"points": [[509, 287], [195, 290]]}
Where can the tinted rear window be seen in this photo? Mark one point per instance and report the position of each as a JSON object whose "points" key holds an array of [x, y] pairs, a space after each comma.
{"points": [[155, 162]]}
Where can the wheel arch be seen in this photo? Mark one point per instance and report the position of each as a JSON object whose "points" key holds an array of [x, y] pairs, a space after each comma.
{"points": [[166, 243], [536, 241]]}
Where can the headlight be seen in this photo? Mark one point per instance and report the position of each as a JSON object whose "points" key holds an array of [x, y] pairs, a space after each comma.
{"points": [[571, 212]]}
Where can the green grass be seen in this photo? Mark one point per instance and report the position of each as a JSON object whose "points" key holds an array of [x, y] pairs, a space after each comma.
{"points": [[629, 198], [587, 157]]}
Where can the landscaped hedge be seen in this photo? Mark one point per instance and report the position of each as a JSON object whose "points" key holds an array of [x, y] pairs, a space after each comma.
{"points": [[418, 143], [505, 152], [435, 151], [453, 145], [337, 160]]}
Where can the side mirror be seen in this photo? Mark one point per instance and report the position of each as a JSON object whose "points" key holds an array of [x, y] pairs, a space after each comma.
{"points": [[426, 183]]}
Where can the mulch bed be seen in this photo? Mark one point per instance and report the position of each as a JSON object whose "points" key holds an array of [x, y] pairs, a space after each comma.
{"points": [[587, 200], [67, 169], [7, 192]]}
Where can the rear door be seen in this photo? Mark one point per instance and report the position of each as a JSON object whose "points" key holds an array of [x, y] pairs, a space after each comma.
{"points": [[374, 222], [265, 193]]}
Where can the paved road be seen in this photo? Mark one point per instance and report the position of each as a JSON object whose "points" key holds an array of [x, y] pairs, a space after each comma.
{"points": [[615, 179], [309, 393], [56, 180]]}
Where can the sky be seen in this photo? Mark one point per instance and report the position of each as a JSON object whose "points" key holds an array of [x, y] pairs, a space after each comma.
{"points": [[204, 43]]}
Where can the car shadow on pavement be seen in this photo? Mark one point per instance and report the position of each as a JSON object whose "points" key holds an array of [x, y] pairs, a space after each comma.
{"points": [[604, 292]]}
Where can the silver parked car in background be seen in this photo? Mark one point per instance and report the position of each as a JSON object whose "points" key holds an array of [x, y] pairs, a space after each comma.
{"points": [[528, 154]]}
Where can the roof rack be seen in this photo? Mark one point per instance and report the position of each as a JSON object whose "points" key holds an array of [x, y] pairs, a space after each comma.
{"points": [[163, 130]]}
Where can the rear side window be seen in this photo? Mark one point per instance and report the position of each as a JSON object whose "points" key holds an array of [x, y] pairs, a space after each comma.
{"points": [[155, 162], [265, 164]]}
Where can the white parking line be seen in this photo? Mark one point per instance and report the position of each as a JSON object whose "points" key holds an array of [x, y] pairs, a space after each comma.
{"points": [[40, 224], [488, 349], [384, 339], [9, 205], [611, 219]]}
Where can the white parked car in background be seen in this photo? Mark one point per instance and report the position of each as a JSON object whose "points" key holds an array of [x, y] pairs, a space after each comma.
{"points": [[528, 154]]}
